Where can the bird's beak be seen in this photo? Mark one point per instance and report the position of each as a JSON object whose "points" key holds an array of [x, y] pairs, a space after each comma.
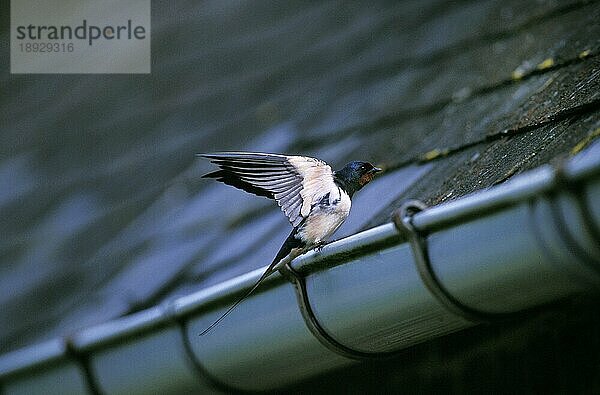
{"points": [[376, 170]]}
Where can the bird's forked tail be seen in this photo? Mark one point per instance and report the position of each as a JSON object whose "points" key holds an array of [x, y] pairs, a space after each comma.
{"points": [[291, 248]]}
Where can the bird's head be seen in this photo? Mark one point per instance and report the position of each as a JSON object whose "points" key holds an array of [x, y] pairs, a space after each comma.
{"points": [[356, 175]]}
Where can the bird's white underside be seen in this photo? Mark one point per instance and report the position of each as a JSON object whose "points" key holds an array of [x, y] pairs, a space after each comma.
{"points": [[323, 221]]}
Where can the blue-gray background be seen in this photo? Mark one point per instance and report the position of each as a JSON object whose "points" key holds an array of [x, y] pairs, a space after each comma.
{"points": [[102, 209]]}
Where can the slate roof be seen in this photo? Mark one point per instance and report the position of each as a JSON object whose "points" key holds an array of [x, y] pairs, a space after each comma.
{"points": [[105, 213]]}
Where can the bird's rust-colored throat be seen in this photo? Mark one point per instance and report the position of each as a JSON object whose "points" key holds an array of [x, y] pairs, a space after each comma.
{"points": [[365, 179]]}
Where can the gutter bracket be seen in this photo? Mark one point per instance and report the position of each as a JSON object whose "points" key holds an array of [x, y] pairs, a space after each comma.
{"points": [[82, 359], [402, 218], [573, 189], [170, 314], [315, 326]]}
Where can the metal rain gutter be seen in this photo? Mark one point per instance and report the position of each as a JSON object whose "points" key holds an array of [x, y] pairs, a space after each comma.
{"points": [[487, 256]]}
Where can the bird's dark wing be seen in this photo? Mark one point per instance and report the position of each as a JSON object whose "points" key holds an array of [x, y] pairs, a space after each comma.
{"points": [[295, 182]]}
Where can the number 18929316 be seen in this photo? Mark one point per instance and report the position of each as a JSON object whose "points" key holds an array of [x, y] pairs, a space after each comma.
{"points": [[46, 47]]}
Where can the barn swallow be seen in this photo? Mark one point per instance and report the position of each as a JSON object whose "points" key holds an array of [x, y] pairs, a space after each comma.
{"points": [[315, 199]]}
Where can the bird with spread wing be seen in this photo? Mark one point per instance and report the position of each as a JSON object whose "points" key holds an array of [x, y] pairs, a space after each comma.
{"points": [[315, 199]]}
